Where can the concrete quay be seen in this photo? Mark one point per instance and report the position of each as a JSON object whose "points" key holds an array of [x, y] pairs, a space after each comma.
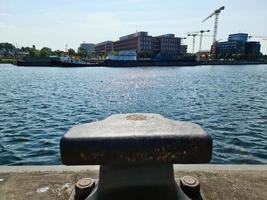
{"points": [[224, 182]]}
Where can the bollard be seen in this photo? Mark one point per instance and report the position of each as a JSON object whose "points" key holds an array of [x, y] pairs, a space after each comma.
{"points": [[136, 153]]}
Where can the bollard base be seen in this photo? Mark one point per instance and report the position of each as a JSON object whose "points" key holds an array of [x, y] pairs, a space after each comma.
{"points": [[155, 182]]}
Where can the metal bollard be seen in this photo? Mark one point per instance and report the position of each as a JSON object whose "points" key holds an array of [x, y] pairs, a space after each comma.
{"points": [[136, 153]]}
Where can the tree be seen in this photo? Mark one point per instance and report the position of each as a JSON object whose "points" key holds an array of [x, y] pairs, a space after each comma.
{"points": [[71, 52], [45, 52], [58, 53], [25, 49], [34, 52], [82, 52], [7, 49], [7, 46]]}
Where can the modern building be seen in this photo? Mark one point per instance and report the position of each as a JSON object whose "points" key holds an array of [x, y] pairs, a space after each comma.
{"points": [[237, 45], [167, 45], [229, 49], [89, 47], [240, 37], [104, 48], [145, 46], [141, 42], [253, 49]]}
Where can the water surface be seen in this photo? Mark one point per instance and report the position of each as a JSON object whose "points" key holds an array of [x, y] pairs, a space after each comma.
{"points": [[39, 104]]}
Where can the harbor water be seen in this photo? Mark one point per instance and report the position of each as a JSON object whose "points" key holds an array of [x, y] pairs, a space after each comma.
{"points": [[39, 104]]}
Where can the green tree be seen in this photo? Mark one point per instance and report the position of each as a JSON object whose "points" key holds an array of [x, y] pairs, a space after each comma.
{"points": [[7, 49], [71, 52], [6, 46], [34, 52], [45, 52], [58, 53], [82, 52], [25, 49]]}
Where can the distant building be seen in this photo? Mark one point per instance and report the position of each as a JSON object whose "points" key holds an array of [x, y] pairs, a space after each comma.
{"points": [[140, 42], [104, 48], [253, 48], [123, 55], [145, 45], [183, 49], [238, 37], [167, 45], [230, 48], [89, 47], [237, 45]]}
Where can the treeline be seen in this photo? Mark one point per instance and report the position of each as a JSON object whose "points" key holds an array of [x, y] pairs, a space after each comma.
{"points": [[8, 50]]}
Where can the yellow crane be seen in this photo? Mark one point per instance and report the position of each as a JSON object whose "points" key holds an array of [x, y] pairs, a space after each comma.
{"points": [[216, 13]]}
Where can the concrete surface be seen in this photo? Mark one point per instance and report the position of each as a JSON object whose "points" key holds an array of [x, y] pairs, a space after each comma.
{"points": [[56, 182]]}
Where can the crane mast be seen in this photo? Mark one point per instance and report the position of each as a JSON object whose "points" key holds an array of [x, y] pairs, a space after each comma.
{"points": [[194, 40], [196, 34], [201, 37], [216, 13]]}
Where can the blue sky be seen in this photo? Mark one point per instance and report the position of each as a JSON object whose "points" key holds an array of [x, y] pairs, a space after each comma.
{"points": [[54, 23]]}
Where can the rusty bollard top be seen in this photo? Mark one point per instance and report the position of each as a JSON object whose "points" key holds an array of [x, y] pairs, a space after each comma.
{"points": [[136, 139]]}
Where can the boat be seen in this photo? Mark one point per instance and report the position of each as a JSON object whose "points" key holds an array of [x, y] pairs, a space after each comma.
{"points": [[66, 61]]}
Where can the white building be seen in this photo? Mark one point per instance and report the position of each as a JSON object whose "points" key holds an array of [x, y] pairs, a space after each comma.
{"points": [[130, 55]]}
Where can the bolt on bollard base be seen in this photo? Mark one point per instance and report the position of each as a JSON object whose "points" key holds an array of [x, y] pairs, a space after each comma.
{"points": [[136, 153]]}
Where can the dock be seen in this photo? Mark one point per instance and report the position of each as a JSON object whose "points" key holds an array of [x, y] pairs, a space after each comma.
{"points": [[224, 182]]}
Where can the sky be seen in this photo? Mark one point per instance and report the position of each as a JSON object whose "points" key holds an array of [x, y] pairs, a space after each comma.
{"points": [[55, 23]]}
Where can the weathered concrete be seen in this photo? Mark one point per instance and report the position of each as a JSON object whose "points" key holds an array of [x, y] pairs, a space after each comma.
{"points": [[56, 182]]}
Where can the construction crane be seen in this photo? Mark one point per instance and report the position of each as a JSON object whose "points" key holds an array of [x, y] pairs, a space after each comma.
{"points": [[201, 37], [260, 37], [193, 34], [216, 13], [196, 34]]}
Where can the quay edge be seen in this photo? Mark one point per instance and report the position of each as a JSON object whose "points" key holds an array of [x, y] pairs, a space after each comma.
{"points": [[57, 182]]}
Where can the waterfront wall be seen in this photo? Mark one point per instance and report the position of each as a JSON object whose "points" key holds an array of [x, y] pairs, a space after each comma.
{"points": [[224, 182]]}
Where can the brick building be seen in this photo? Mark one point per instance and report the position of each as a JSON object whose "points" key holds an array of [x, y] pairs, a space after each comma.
{"points": [[145, 45], [167, 45], [141, 42], [104, 48]]}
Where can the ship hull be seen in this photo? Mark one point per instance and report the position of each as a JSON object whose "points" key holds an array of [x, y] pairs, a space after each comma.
{"points": [[58, 63]]}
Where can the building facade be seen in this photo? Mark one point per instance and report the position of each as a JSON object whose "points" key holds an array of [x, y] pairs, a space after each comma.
{"points": [[240, 37], [104, 48], [229, 49], [140, 42], [237, 46], [253, 49], [89, 47], [183, 49], [123, 56], [167, 45], [144, 45]]}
